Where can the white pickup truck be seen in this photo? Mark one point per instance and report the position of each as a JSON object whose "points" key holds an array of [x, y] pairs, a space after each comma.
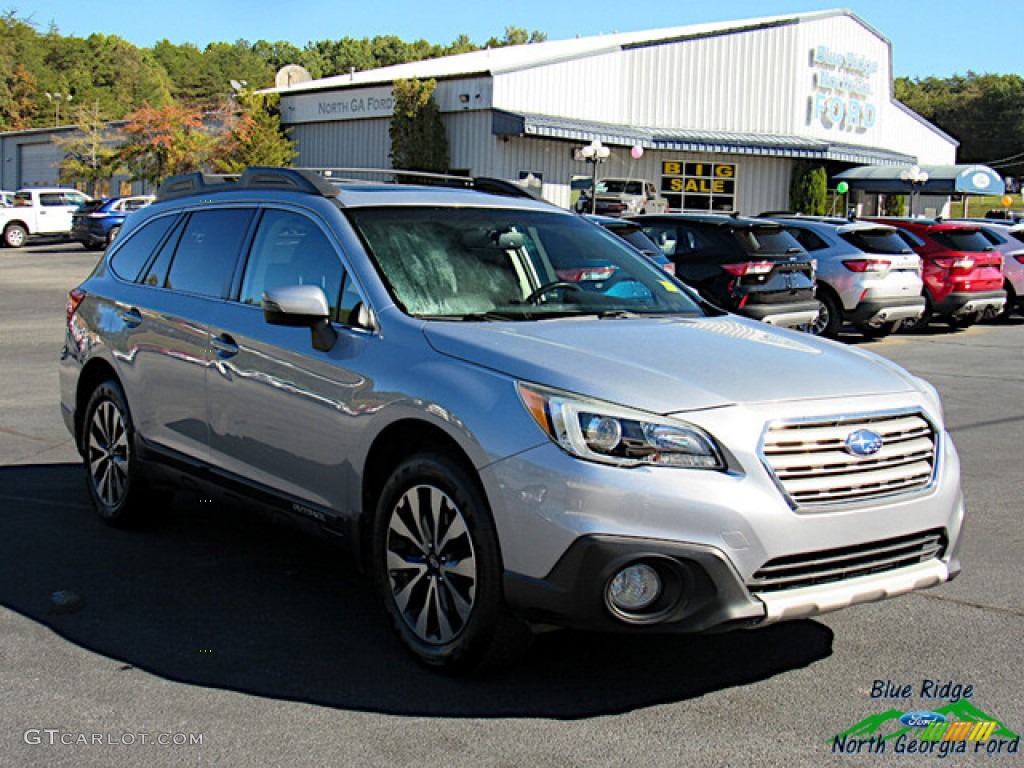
{"points": [[39, 211], [628, 197]]}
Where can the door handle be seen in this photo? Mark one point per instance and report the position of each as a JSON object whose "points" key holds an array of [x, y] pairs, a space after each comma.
{"points": [[225, 346], [130, 317]]}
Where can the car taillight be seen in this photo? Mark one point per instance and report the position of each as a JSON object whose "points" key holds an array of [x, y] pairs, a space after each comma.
{"points": [[749, 268], [963, 262], [867, 265], [1019, 257], [75, 297]]}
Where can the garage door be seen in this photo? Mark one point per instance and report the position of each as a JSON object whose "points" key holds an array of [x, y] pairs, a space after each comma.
{"points": [[37, 165]]}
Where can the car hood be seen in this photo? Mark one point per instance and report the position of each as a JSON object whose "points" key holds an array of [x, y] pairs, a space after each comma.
{"points": [[666, 365]]}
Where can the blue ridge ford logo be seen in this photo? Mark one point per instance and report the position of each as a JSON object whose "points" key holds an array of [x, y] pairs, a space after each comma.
{"points": [[921, 719], [863, 442]]}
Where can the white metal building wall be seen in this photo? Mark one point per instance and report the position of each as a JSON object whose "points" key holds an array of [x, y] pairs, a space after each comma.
{"points": [[348, 144]]}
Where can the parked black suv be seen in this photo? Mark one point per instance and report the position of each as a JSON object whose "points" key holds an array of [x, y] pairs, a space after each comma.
{"points": [[747, 266]]}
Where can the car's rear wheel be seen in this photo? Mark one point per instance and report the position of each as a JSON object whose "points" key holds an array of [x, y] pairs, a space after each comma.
{"points": [[880, 330], [15, 235], [964, 321], [113, 476], [1003, 315], [830, 316], [438, 568], [926, 317]]}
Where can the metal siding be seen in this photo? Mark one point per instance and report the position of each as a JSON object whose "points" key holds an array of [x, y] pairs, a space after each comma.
{"points": [[352, 144]]}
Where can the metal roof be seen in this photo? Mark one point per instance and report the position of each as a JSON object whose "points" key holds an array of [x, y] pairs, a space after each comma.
{"points": [[516, 57], [724, 142], [942, 179]]}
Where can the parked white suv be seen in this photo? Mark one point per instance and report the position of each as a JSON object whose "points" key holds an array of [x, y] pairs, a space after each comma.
{"points": [[502, 449], [867, 274], [39, 211]]}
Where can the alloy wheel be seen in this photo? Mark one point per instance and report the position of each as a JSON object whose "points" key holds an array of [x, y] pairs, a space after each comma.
{"points": [[107, 453], [431, 564]]}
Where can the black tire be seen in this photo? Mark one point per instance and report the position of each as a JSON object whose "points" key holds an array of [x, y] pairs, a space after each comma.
{"points": [[830, 317], [15, 236], [881, 330], [964, 321], [922, 322], [438, 569], [1003, 315], [112, 473]]}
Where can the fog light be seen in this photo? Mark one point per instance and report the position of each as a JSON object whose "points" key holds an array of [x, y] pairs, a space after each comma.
{"points": [[634, 588]]}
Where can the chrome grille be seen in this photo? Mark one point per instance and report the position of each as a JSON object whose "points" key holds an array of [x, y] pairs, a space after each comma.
{"points": [[831, 565], [814, 468]]}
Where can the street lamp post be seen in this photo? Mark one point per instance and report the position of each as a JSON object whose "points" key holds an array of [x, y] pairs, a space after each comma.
{"points": [[916, 178], [56, 99], [595, 152]]}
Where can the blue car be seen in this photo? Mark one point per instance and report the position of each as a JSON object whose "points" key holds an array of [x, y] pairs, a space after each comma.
{"points": [[96, 224]]}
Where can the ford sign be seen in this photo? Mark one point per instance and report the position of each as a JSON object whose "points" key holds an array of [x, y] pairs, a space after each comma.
{"points": [[921, 719], [863, 442]]}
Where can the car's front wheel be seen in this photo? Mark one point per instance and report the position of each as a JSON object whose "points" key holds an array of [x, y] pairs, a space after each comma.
{"points": [[112, 471], [438, 568], [15, 235]]}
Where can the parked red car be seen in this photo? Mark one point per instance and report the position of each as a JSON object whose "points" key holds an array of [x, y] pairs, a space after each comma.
{"points": [[962, 272]]}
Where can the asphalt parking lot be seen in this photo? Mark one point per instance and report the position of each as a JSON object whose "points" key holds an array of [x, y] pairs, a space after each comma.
{"points": [[209, 638]]}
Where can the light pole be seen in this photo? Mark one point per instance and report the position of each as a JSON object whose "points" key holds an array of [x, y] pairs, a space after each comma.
{"points": [[56, 98], [595, 152], [916, 178]]}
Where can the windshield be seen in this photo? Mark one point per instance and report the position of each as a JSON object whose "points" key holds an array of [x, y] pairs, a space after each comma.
{"points": [[451, 263], [620, 187]]}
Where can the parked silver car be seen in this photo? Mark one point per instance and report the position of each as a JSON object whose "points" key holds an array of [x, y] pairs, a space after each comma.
{"points": [[503, 451], [867, 274]]}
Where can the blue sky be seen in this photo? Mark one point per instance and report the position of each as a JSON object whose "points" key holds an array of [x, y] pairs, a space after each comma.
{"points": [[929, 37]]}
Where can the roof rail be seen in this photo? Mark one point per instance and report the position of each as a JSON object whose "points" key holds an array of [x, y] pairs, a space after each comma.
{"points": [[193, 184], [257, 177], [322, 181], [398, 176]]}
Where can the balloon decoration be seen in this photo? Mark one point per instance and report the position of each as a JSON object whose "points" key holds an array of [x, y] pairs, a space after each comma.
{"points": [[842, 187], [636, 152]]}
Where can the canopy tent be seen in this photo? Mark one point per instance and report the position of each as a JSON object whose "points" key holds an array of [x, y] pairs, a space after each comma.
{"points": [[942, 180]]}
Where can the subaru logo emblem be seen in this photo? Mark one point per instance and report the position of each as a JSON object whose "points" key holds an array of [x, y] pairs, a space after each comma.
{"points": [[863, 442]]}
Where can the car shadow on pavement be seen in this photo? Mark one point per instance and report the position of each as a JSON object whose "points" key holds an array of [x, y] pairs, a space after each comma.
{"points": [[209, 595]]}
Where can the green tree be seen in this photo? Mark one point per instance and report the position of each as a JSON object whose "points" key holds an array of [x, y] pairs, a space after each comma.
{"points": [[90, 154], [808, 189], [253, 136], [418, 139]]}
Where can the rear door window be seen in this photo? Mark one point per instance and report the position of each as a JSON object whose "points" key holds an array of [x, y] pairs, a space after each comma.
{"points": [[205, 258], [133, 253]]}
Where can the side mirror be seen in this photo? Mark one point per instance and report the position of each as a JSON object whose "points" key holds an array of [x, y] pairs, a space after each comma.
{"points": [[301, 306]]}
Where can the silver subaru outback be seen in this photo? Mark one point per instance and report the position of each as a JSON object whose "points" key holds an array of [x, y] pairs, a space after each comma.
{"points": [[501, 448]]}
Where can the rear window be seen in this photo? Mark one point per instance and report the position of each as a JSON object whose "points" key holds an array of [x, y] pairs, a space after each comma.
{"points": [[92, 205], [877, 241], [765, 240], [636, 237], [962, 240]]}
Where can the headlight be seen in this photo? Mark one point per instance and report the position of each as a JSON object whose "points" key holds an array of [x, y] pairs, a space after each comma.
{"points": [[604, 432]]}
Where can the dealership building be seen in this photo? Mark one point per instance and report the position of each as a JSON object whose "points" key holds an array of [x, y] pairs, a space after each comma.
{"points": [[717, 115]]}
